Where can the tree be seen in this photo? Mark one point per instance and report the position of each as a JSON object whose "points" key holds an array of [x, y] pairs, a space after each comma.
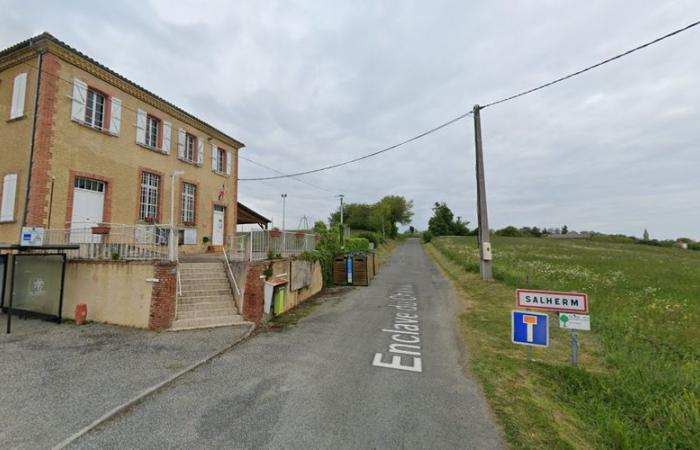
{"points": [[381, 217], [564, 229], [443, 223], [645, 236]]}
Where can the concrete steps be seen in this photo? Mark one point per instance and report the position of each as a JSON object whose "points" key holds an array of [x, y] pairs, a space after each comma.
{"points": [[207, 299]]}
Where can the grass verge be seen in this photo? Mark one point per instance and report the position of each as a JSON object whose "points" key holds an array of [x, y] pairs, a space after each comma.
{"points": [[639, 382]]}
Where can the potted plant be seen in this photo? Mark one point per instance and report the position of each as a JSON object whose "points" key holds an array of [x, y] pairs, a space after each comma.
{"points": [[275, 233], [299, 235]]}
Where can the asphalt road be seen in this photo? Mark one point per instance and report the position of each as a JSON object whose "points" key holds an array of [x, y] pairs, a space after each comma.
{"points": [[315, 385]]}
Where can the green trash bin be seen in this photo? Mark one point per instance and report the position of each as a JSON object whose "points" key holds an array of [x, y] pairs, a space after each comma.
{"points": [[278, 299]]}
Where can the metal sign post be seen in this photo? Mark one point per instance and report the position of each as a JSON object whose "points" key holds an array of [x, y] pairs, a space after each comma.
{"points": [[574, 349]]}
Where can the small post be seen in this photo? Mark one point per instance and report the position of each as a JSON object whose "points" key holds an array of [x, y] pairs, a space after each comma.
{"points": [[529, 354], [574, 349]]}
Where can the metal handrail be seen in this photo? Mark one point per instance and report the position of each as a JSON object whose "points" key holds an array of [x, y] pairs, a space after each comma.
{"points": [[230, 272]]}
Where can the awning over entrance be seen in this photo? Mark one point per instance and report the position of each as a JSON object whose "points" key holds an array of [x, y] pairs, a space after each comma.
{"points": [[248, 216]]}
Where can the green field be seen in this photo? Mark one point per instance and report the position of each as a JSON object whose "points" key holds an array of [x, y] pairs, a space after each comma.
{"points": [[639, 381]]}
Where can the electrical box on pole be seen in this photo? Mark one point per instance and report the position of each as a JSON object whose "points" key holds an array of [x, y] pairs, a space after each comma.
{"points": [[485, 255]]}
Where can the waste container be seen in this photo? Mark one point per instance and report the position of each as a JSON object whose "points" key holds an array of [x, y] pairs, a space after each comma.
{"points": [[278, 302], [340, 273]]}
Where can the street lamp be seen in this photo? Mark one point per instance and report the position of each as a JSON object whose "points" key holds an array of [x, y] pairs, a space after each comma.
{"points": [[171, 240]]}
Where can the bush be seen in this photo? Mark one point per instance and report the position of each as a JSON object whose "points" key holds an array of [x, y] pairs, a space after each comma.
{"points": [[356, 244], [427, 236], [373, 237], [326, 250], [510, 231]]}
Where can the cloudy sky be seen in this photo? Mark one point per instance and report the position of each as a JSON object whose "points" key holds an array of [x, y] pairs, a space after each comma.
{"points": [[309, 83]]}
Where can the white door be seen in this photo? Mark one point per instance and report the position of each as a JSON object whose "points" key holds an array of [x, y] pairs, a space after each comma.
{"points": [[217, 236], [88, 205]]}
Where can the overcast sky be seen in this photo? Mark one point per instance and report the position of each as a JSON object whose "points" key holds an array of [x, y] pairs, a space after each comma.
{"points": [[305, 84]]}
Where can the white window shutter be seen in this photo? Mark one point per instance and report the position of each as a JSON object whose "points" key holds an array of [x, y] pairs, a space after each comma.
{"points": [[167, 131], [19, 92], [141, 127], [181, 143], [200, 152], [115, 120], [9, 191], [79, 97], [229, 159], [214, 157]]}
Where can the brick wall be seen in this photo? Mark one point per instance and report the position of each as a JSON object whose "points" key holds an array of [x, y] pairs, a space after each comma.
{"points": [[164, 297], [37, 210], [254, 293]]}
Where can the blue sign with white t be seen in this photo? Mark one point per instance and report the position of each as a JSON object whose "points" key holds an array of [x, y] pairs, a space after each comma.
{"points": [[530, 329]]}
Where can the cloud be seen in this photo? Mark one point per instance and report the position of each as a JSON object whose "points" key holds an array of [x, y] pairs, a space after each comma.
{"points": [[305, 84]]}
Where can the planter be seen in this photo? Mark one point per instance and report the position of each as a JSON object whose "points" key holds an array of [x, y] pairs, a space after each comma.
{"points": [[317, 237], [100, 229], [299, 236], [275, 233]]}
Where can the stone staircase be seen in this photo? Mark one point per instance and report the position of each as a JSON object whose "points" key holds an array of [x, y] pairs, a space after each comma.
{"points": [[207, 299]]}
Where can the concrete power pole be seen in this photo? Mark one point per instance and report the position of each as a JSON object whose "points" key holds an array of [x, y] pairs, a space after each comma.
{"points": [[482, 215], [342, 227]]}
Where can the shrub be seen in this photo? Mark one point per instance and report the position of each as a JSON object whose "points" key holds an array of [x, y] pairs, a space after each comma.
{"points": [[427, 236], [373, 237], [356, 244]]}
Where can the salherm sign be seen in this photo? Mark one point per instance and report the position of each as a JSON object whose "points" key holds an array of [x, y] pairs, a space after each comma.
{"points": [[552, 300]]}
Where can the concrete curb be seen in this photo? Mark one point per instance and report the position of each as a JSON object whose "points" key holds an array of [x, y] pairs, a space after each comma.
{"points": [[153, 389]]}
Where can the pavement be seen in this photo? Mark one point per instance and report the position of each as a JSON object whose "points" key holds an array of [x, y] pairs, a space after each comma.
{"points": [[57, 379], [321, 384]]}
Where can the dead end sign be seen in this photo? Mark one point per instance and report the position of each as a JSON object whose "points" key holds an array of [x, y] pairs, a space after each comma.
{"points": [[552, 300]]}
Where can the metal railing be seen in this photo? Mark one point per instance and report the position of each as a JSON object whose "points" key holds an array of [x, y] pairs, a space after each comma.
{"points": [[112, 241], [264, 244]]}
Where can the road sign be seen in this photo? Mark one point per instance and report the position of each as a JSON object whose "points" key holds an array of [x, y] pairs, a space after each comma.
{"points": [[530, 329], [552, 300], [574, 321]]}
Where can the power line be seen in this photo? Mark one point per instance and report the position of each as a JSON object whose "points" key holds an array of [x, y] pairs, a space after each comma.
{"points": [[493, 103], [384, 150], [282, 173], [594, 66]]}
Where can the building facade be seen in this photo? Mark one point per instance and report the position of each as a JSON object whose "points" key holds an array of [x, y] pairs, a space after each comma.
{"points": [[85, 150]]}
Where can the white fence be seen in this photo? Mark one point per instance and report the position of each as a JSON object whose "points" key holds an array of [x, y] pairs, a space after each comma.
{"points": [[261, 245], [112, 241]]}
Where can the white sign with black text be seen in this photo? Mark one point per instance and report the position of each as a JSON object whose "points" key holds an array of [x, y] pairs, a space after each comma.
{"points": [[574, 321]]}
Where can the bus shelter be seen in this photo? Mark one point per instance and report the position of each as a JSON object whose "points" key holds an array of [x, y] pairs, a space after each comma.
{"points": [[36, 277]]}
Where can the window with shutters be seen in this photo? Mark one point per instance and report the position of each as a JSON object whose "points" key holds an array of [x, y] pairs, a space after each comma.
{"points": [[9, 193], [221, 160], [190, 147], [152, 131], [150, 185], [95, 109], [189, 199]]}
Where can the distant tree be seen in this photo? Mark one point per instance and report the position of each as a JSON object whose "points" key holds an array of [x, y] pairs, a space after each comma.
{"points": [[411, 229], [320, 226], [381, 217], [645, 236], [564, 229], [510, 231], [443, 222]]}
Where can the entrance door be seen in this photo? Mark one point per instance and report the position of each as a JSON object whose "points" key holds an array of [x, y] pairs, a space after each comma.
{"points": [[217, 235], [88, 205]]}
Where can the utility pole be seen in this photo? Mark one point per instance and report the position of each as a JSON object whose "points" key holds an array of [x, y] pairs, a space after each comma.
{"points": [[284, 229], [482, 215], [342, 227]]}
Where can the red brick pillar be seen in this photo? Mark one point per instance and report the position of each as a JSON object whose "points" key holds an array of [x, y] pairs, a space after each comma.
{"points": [[163, 296], [253, 301]]}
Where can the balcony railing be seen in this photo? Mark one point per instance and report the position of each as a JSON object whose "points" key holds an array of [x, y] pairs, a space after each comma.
{"points": [[112, 241], [266, 244]]}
